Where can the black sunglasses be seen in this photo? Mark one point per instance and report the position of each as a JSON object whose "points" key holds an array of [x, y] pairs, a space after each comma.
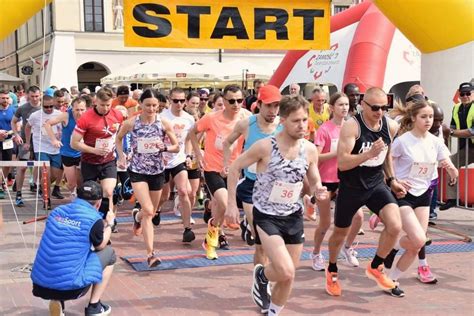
{"points": [[465, 94], [232, 101], [376, 108], [48, 107], [416, 97], [178, 100], [204, 99]]}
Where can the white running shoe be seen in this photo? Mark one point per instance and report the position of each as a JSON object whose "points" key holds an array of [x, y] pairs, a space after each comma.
{"points": [[176, 206], [350, 255], [318, 262]]}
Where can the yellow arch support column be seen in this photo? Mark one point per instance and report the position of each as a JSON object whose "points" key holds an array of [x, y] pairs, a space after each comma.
{"points": [[432, 25], [18, 12]]}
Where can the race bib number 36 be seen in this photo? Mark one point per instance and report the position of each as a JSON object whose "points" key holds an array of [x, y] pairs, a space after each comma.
{"points": [[149, 145], [285, 193], [422, 170]]}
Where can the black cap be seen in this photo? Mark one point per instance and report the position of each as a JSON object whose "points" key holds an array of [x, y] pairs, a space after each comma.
{"points": [[90, 191], [465, 87]]}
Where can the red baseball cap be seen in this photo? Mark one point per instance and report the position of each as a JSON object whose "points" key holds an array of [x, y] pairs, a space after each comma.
{"points": [[269, 94]]}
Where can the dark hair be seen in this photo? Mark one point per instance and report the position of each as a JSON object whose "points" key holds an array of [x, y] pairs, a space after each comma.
{"points": [[79, 100], [176, 90], [64, 90], [215, 98], [290, 104], [58, 94], [350, 86], [192, 95], [4, 91], [232, 88], [162, 98], [149, 93], [123, 90], [257, 81], [336, 96], [105, 94], [47, 98], [54, 87], [33, 89], [87, 99]]}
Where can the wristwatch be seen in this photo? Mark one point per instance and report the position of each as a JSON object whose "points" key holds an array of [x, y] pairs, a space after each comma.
{"points": [[389, 180], [451, 132]]}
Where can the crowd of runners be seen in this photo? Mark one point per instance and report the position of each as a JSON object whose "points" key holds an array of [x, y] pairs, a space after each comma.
{"points": [[279, 158]]}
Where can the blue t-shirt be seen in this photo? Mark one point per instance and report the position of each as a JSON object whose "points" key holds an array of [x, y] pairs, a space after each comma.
{"points": [[6, 118]]}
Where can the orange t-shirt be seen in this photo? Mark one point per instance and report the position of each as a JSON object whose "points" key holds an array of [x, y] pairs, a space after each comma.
{"points": [[217, 128], [311, 129], [130, 103]]}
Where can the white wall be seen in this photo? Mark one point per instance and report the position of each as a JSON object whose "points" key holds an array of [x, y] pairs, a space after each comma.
{"points": [[442, 72]]}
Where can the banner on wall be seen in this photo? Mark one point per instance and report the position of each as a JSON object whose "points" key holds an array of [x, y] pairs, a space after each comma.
{"points": [[259, 24]]}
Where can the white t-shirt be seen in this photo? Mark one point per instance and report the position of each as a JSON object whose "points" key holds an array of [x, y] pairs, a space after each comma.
{"points": [[415, 160], [181, 126], [37, 129]]}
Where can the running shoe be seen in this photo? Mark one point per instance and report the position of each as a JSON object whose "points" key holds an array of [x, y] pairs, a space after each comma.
{"points": [[310, 213], [333, 287], [57, 193], [19, 201], [211, 253], [259, 291], [14, 187], [249, 238], [212, 236], [55, 308], [115, 227], [425, 275], [243, 228], [33, 187], [176, 206], [318, 261], [428, 241], [137, 226], [380, 277], [361, 232], [396, 292], [223, 243], [207, 211], [433, 216], [374, 220], [153, 260], [101, 309], [232, 226], [350, 255], [10, 182], [191, 220], [156, 220], [188, 235]]}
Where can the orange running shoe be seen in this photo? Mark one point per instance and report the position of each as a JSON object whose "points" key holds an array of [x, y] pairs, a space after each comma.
{"points": [[379, 276], [232, 226], [333, 287]]}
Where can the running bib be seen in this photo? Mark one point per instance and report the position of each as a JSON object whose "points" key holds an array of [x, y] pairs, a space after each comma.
{"points": [[219, 142], [285, 193], [376, 161], [7, 144], [334, 143], [44, 132], [422, 170], [149, 145], [105, 143]]}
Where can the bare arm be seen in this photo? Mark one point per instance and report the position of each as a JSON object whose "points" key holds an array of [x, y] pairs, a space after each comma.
{"points": [[124, 129], [314, 179], [254, 154], [28, 134], [174, 148], [239, 129], [82, 147], [48, 126], [195, 144], [14, 126], [345, 159], [325, 156]]}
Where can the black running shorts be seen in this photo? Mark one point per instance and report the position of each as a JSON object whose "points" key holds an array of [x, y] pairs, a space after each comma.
{"points": [[289, 228], [172, 172], [349, 200], [155, 181], [412, 201], [245, 190], [70, 161], [98, 172], [214, 181]]}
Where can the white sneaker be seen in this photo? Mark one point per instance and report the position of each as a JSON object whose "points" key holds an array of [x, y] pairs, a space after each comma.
{"points": [[176, 206], [192, 221], [350, 255], [318, 262]]}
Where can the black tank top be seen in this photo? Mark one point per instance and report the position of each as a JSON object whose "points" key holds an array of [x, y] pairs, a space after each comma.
{"points": [[370, 173]]}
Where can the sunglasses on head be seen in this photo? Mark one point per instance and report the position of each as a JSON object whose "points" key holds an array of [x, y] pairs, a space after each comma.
{"points": [[465, 94], [376, 108], [232, 101], [178, 100], [416, 97]]}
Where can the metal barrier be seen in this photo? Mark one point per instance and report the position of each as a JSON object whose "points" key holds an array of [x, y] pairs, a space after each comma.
{"points": [[463, 184]]}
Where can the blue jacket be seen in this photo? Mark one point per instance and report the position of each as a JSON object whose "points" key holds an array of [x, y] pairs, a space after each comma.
{"points": [[64, 260]]}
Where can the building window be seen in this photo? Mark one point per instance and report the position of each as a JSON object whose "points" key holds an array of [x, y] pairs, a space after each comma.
{"points": [[339, 8], [94, 15]]}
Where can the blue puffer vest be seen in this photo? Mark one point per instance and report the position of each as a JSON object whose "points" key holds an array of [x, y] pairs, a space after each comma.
{"points": [[64, 260]]}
